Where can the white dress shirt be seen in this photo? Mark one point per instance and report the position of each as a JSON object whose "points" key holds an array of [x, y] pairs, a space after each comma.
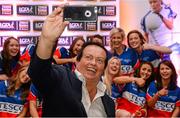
{"points": [[96, 107]]}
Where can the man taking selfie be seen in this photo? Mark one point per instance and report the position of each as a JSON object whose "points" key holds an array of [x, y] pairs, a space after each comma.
{"points": [[65, 93]]}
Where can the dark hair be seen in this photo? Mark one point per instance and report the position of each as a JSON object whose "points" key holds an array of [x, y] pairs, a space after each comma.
{"points": [[73, 44], [139, 34], [6, 56], [12, 82], [80, 54], [150, 79], [173, 82], [97, 36]]}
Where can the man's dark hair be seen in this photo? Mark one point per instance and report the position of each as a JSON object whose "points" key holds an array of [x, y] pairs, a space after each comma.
{"points": [[99, 37], [80, 54]]}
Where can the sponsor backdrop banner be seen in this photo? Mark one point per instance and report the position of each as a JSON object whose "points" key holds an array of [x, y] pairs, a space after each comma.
{"points": [[23, 19]]}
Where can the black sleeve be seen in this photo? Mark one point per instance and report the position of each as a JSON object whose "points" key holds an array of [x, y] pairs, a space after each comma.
{"points": [[43, 75]]}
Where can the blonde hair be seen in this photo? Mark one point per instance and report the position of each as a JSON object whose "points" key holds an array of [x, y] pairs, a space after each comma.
{"points": [[107, 80], [117, 30], [112, 32]]}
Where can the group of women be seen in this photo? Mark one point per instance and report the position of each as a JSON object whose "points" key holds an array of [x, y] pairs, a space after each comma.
{"points": [[14, 81], [146, 86], [140, 83]]}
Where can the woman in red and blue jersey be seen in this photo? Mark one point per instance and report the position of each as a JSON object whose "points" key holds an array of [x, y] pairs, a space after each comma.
{"points": [[133, 100], [13, 94], [35, 102], [67, 57], [128, 57], [163, 95], [146, 52], [9, 57]]}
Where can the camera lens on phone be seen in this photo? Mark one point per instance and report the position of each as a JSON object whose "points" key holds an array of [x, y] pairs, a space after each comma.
{"points": [[88, 13]]}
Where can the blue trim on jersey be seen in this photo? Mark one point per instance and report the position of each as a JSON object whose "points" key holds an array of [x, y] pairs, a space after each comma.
{"points": [[64, 52], [35, 92], [143, 22], [30, 49]]}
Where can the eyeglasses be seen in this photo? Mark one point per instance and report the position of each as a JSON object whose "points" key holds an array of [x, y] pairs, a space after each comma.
{"points": [[98, 60]]}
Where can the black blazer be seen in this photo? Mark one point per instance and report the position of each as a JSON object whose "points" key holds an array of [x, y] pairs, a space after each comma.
{"points": [[61, 90]]}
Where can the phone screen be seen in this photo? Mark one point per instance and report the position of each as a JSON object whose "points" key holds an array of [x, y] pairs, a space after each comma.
{"points": [[80, 13]]}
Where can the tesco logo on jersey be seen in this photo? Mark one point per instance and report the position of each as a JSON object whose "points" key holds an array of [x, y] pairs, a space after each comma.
{"points": [[140, 101], [10, 107], [126, 69], [164, 106]]}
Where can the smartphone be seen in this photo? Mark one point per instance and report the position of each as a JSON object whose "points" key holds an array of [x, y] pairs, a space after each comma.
{"points": [[80, 13]]}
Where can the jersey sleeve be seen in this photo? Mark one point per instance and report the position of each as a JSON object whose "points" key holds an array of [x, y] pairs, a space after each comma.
{"points": [[33, 93], [151, 91], [178, 101], [57, 53], [143, 22]]}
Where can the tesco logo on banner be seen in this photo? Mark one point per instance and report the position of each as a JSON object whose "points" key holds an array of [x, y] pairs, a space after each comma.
{"points": [[76, 26], [107, 25], [6, 9], [110, 10], [24, 25], [91, 26], [7, 25], [64, 41], [42, 10]]}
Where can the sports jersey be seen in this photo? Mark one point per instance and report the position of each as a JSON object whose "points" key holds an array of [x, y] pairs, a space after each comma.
{"points": [[166, 104], [133, 98], [150, 56], [129, 61], [30, 49], [162, 35], [64, 53], [116, 90], [10, 106], [35, 95]]}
